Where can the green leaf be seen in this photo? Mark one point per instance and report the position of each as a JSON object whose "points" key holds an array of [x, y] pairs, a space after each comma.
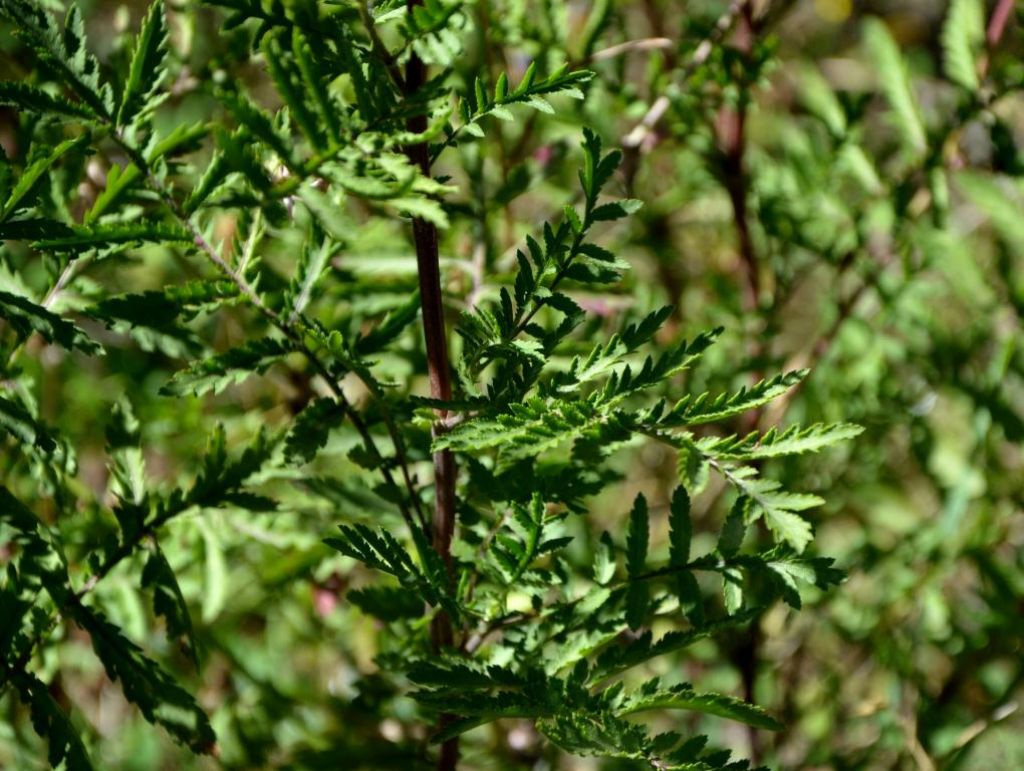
{"points": [[157, 695], [26, 317], [19, 423], [527, 430], [32, 229], [637, 600], [684, 697], [119, 181], [680, 527], [291, 88], [777, 506], [127, 471], [529, 91], [791, 571], [387, 603], [604, 560], [311, 428], [41, 561], [619, 658], [228, 368], [317, 252], [146, 71], [381, 551], [221, 479], [35, 170], [996, 198], [98, 236], [820, 100], [894, 78], [34, 99], [732, 588], [615, 210], [693, 467], [218, 169], [215, 574], [702, 409], [637, 540], [391, 326], [422, 208], [734, 529], [311, 68], [162, 308], [169, 602], [260, 125], [51, 723], [773, 443], [182, 138], [64, 50], [963, 37]]}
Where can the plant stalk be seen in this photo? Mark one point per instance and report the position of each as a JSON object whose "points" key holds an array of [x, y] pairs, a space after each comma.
{"points": [[439, 372], [731, 124]]}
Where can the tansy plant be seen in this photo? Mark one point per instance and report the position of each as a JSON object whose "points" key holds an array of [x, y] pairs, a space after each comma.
{"points": [[442, 425]]}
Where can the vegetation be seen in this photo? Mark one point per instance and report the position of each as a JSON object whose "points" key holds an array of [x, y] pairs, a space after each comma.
{"points": [[515, 384]]}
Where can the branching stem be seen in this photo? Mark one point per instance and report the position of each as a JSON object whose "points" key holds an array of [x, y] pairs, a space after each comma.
{"points": [[293, 333]]}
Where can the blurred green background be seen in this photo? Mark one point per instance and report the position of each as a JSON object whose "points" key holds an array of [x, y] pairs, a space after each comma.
{"points": [[790, 197]]}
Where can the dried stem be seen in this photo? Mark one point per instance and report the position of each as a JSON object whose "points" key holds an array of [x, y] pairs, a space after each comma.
{"points": [[644, 44], [643, 131]]}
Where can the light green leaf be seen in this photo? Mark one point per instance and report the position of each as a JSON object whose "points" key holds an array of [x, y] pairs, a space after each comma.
{"points": [[963, 37], [35, 170], [684, 697], [894, 78], [146, 70], [215, 574], [119, 181]]}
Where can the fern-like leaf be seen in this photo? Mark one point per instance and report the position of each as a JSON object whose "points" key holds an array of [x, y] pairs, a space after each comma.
{"points": [[52, 723], [146, 71], [27, 317], [158, 696], [34, 99], [231, 367]]}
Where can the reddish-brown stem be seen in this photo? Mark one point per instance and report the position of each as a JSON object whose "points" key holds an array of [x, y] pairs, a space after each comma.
{"points": [[731, 127], [438, 368], [994, 31], [439, 372], [731, 131], [644, 134], [997, 22]]}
